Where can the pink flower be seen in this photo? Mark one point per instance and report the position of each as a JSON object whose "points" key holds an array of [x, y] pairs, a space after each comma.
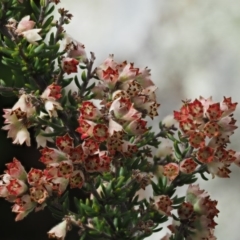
{"points": [[90, 111], [65, 169], [64, 143], [129, 72], [52, 155], [85, 128], [25, 24], [16, 170], [90, 146], [113, 126], [25, 105], [58, 185], [227, 106], [34, 176], [49, 97], [69, 65], [188, 166], [52, 92], [108, 72], [136, 127], [171, 171], [23, 206], [16, 187], [77, 179], [164, 205], [122, 108], [98, 163], [75, 49], [38, 194]]}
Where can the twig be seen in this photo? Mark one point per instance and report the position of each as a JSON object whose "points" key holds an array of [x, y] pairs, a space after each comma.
{"points": [[42, 11], [89, 74]]}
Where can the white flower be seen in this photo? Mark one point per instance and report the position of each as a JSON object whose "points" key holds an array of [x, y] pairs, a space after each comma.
{"points": [[42, 140], [16, 129], [22, 136], [25, 105], [32, 35], [51, 107], [59, 231]]}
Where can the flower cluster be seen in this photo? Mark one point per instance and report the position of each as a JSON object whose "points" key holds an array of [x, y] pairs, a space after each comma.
{"points": [[208, 127], [31, 190], [196, 215], [18, 120], [129, 91], [22, 115], [127, 95], [75, 54], [25, 28], [23, 189]]}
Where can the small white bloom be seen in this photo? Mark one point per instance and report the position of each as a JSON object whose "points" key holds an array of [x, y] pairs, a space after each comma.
{"points": [[22, 136], [25, 105], [42, 140], [32, 35], [59, 231], [169, 121], [51, 107]]}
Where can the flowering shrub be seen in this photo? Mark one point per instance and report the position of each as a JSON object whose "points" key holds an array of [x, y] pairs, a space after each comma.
{"points": [[97, 139]]}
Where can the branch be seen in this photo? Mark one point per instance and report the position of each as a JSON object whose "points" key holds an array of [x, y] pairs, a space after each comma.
{"points": [[89, 74]]}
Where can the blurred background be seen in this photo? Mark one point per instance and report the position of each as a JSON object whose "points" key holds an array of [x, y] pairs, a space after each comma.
{"points": [[193, 49]]}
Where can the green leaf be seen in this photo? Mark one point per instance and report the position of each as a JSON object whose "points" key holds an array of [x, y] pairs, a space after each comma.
{"points": [[71, 98], [77, 82], [43, 3], [83, 236], [2, 83], [51, 39], [64, 197], [90, 87], [49, 10], [120, 182], [55, 126], [157, 229], [39, 48], [82, 66], [177, 150], [77, 204], [177, 200], [53, 134], [84, 76], [65, 82], [156, 189], [175, 217], [6, 51], [56, 213], [203, 177], [48, 22], [35, 8], [66, 205]]}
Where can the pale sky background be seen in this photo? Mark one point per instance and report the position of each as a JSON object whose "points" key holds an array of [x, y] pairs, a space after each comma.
{"points": [[193, 49]]}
